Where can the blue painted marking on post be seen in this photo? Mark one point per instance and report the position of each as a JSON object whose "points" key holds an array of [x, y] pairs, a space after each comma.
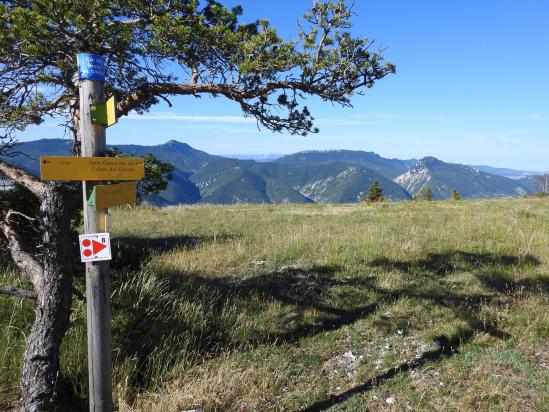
{"points": [[91, 67]]}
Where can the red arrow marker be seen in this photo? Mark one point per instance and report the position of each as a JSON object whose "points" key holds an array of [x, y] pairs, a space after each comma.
{"points": [[94, 247], [97, 247]]}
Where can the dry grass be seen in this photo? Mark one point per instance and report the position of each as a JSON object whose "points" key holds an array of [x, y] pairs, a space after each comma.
{"points": [[435, 306]]}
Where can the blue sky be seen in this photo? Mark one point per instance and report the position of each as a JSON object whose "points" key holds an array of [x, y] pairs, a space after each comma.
{"points": [[472, 86]]}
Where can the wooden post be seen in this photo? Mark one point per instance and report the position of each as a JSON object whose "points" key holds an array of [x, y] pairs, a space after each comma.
{"points": [[93, 143]]}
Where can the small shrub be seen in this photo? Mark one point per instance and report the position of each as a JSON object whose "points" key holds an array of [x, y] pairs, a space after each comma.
{"points": [[425, 194], [455, 195]]}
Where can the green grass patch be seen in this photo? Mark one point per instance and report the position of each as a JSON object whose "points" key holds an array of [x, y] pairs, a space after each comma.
{"points": [[421, 306]]}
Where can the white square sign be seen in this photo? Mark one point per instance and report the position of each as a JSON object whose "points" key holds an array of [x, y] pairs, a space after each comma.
{"points": [[95, 247]]}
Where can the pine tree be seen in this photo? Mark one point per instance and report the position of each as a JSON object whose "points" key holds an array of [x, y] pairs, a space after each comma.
{"points": [[455, 194], [375, 193]]}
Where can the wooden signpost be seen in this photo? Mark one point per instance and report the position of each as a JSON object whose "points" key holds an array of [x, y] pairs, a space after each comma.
{"points": [[93, 169]]}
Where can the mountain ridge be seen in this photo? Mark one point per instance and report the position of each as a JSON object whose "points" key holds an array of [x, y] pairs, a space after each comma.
{"points": [[327, 176], [386, 167], [442, 177]]}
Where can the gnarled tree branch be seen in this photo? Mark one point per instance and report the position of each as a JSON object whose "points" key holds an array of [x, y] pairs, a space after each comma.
{"points": [[24, 260], [232, 92], [23, 178]]}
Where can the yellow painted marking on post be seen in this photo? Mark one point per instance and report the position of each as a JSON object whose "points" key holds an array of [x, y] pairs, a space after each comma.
{"points": [[91, 168], [114, 195], [111, 111]]}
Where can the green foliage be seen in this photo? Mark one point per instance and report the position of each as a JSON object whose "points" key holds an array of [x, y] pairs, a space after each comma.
{"points": [[179, 47], [157, 173], [375, 193], [425, 194], [455, 195]]}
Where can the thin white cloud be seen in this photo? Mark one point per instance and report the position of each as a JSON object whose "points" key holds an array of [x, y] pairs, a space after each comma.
{"points": [[207, 119], [191, 118], [419, 118], [393, 116], [343, 122], [375, 116], [217, 127]]}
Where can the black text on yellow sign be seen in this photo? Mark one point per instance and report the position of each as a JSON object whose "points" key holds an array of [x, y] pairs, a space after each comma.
{"points": [[91, 168]]}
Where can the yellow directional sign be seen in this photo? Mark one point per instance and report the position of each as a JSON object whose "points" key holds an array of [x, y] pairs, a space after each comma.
{"points": [[105, 196], [104, 113], [111, 111], [91, 168]]}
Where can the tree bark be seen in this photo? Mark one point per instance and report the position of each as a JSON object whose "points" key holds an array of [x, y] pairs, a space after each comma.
{"points": [[22, 258], [41, 359]]}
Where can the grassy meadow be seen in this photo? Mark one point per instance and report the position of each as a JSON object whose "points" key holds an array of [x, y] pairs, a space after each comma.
{"points": [[396, 306]]}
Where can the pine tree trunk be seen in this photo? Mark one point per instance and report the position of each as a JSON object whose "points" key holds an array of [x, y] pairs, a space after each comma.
{"points": [[41, 359]]}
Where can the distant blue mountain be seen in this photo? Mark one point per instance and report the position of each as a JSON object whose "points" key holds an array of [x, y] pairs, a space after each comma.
{"points": [[337, 176], [469, 182], [510, 173], [390, 168]]}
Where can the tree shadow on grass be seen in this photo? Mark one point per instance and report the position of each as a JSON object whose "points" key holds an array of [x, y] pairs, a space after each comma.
{"points": [[146, 317], [131, 252], [445, 347], [345, 300], [336, 301], [500, 282], [491, 270], [446, 263], [317, 288], [487, 268]]}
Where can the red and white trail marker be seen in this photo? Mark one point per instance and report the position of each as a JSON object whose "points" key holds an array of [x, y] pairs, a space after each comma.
{"points": [[95, 247]]}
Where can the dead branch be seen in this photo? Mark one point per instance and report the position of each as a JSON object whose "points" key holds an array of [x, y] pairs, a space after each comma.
{"points": [[24, 260], [22, 177], [19, 293], [14, 212]]}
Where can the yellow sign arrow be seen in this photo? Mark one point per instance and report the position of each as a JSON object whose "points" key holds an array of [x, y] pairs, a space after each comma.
{"points": [[91, 168]]}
